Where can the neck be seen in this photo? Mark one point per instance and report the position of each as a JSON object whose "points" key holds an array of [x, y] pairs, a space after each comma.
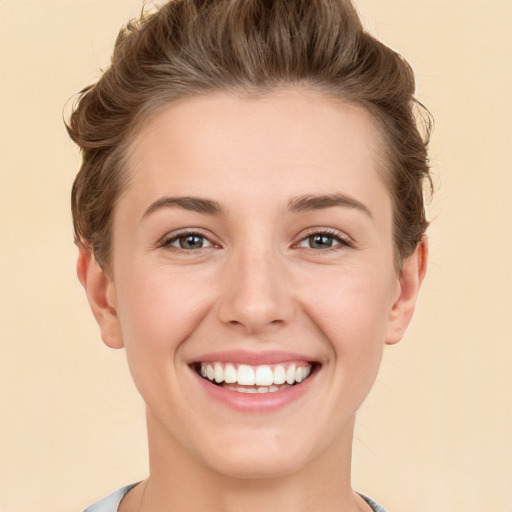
{"points": [[180, 482]]}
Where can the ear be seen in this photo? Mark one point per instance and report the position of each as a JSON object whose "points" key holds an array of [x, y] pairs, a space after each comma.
{"points": [[100, 292], [411, 277]]}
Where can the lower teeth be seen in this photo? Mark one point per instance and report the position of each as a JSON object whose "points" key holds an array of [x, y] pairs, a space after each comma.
{"points": [[254, 389]]}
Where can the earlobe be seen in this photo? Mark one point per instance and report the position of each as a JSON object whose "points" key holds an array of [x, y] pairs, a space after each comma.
{"points": [[100, 292], [411, 277]]}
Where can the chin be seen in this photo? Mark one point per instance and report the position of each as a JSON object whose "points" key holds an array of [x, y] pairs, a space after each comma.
{"points": [[258, 467], [259, 458]]}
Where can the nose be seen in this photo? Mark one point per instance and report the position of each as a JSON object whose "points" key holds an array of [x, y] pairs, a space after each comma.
{"points": [[256, 294]]}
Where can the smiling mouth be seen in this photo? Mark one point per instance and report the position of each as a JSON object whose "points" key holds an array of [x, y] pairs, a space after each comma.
{"points": [[244, 378]]}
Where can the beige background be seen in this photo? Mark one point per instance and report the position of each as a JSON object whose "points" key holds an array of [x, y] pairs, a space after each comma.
{"points": [[434, 436]]}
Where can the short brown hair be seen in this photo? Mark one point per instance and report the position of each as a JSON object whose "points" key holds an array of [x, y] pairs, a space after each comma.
{"points": [[193, 47]]}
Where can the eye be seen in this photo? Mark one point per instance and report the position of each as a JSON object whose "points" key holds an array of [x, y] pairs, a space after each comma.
{"points": [[323, 240], [188, 241]]}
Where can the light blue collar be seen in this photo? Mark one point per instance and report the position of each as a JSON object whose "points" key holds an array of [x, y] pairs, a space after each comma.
{"points": [[111, 502]]}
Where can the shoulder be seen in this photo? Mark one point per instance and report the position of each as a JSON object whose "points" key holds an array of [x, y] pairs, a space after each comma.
{"points": [[111, 502]]}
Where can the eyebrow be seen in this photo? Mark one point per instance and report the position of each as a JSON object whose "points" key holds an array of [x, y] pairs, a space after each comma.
{"points": [[194, 204], [319, 202], [298, 204]]}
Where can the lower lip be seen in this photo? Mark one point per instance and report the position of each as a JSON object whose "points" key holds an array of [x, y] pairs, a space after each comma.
{"points": [[256, 402]]}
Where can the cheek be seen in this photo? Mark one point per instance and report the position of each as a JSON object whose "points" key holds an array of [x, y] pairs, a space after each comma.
{"points": [[352, 314], [352, 302], [158, 310]]}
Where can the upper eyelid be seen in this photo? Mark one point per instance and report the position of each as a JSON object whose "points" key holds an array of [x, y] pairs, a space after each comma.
{"points": [[325, 231], [344, 241], [174, 235]]}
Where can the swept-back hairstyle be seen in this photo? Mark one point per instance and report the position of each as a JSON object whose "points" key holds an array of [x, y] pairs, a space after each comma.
{"points": [[196, 47]]}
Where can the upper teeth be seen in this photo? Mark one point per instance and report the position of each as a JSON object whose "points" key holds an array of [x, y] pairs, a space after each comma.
{"points": [[263, 375]]}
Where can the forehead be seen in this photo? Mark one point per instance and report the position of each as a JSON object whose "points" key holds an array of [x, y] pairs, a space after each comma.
{"points": [[264, 148]]}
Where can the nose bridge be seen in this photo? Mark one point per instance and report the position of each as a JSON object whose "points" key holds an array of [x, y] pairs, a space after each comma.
{"points": [[255, 294]]}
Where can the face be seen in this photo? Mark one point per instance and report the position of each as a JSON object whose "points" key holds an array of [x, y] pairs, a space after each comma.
{"points": [[252, 280]]}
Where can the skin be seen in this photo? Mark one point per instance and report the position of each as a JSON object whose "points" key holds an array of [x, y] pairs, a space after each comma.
{"points": [[259, 283]]}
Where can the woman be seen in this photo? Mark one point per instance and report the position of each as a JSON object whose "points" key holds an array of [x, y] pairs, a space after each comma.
{"points": [[250, 222]]}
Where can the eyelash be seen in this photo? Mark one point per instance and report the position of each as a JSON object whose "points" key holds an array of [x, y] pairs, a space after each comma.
{"points": [[166, 242], [342, 241], [328, 233]]}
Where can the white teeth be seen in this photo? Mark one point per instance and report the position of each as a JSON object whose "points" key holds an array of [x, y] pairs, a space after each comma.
{"points": [[279, 375], [253, 389], [230, 374], [302, 373], [218, 372], [264, 376], [290, 374], [245, 375], [258, 379]]}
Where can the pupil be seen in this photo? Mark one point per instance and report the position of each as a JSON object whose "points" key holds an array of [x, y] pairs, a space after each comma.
{"points": [[191, 242], [318, 241]]}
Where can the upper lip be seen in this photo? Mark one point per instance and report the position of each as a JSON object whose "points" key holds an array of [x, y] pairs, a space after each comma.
{"points": [[252, 358]]}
